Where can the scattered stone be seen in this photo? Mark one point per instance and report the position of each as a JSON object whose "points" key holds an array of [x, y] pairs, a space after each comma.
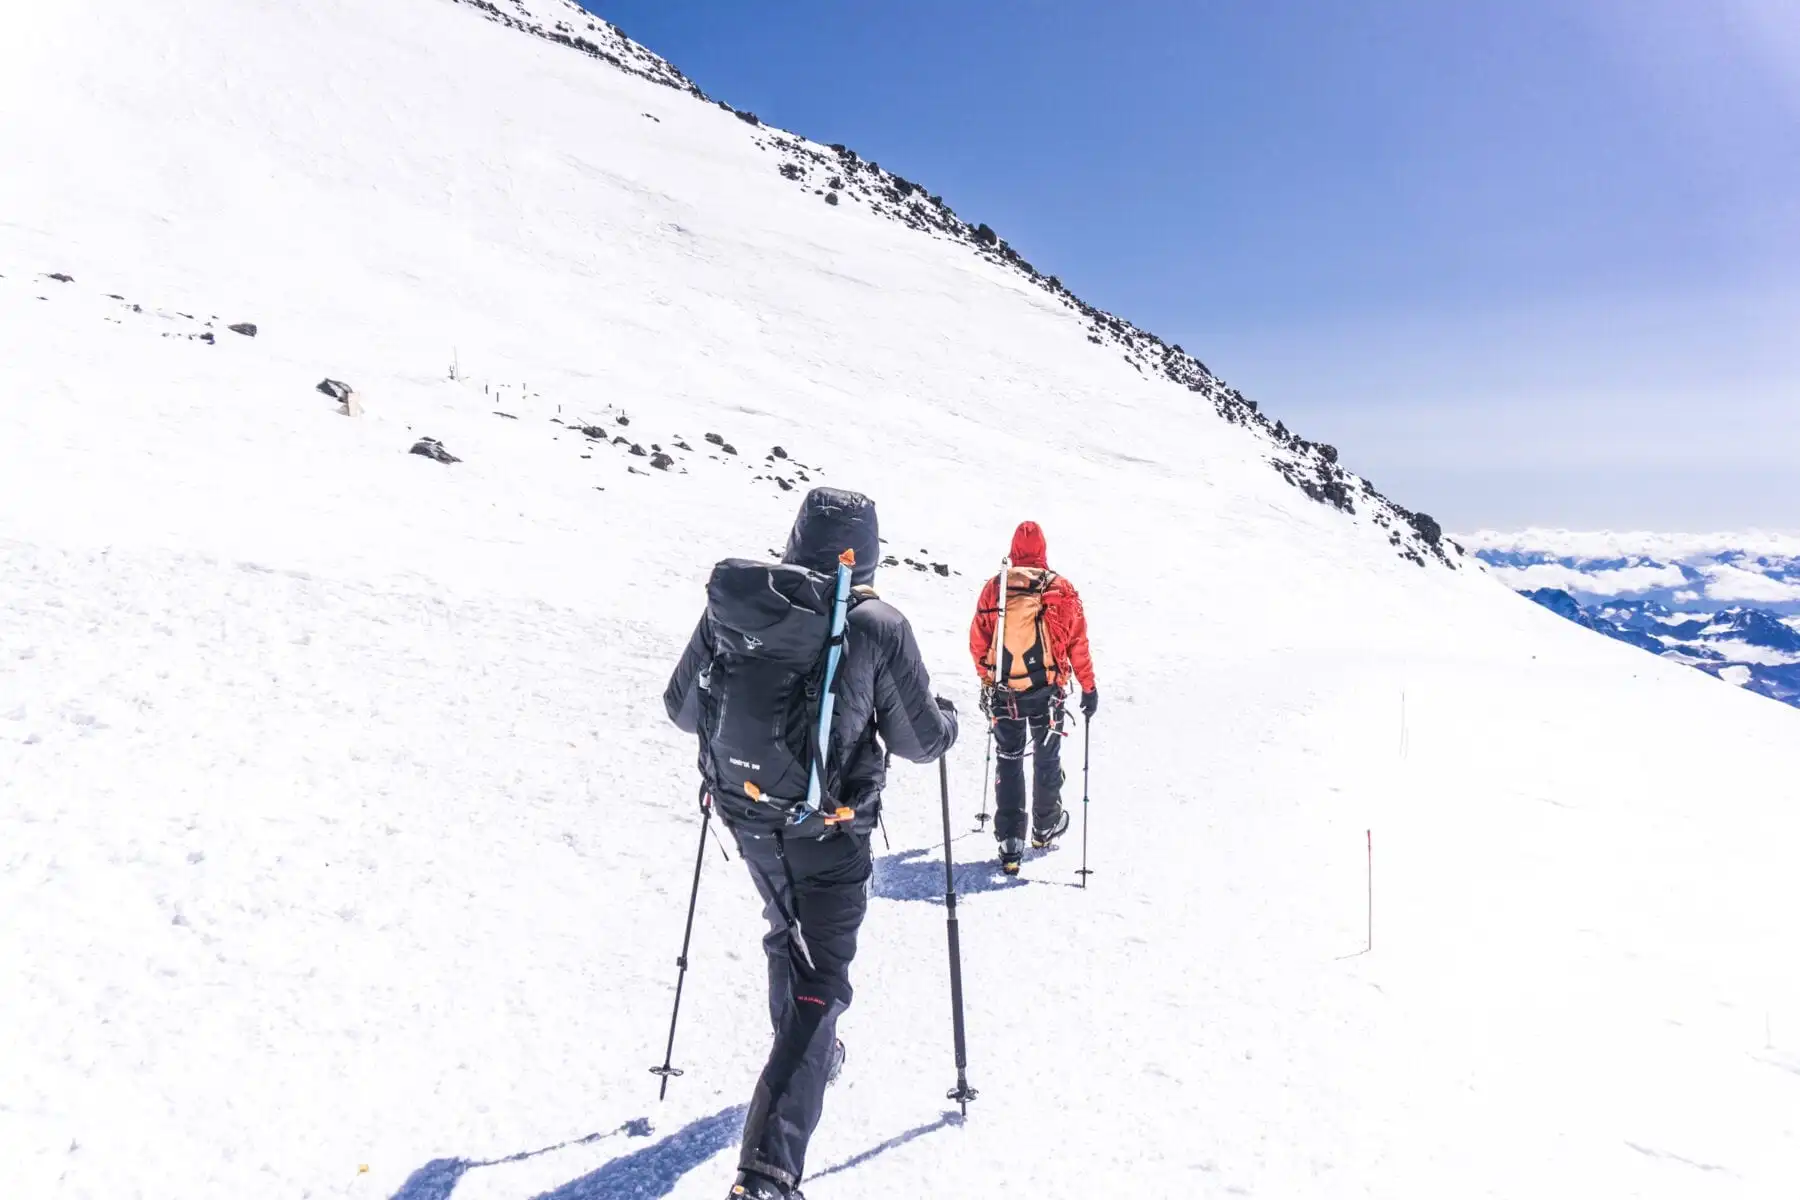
{"points": [[728, 448], [507, 415], [749, 118], [681, 445], [247, 328], [778, 452], [60, 277], [715, 439], [942, 569], [790, 170], [638, 451], [337, 389], [831, 198], [622, 419], [890, 561], [207, 337], [783, 484], [1429, 530], [662, 462], [433, 449], [985, 235], [1328, 453]]}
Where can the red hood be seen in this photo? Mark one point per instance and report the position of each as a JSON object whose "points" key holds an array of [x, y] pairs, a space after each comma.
{"points": [[1028, 548]]}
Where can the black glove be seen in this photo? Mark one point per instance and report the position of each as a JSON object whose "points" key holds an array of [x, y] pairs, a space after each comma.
{"points": [[944, 705], [1090, 702], [987, 701]]}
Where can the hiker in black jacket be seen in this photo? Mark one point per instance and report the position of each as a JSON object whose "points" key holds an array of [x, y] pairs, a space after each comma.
{"points": [[754, 650]]}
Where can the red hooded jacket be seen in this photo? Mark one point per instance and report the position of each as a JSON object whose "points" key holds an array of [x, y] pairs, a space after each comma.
{"points": [[1065, 623]]}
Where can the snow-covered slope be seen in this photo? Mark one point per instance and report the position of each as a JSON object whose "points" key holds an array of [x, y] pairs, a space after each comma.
{"points": [[345, 849]]}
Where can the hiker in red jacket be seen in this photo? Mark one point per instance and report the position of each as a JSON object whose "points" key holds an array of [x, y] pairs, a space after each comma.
{"points": [[1025, 681]]}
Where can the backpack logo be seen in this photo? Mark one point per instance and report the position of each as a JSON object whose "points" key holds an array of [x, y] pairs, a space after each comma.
{"points": [[752, 642]]}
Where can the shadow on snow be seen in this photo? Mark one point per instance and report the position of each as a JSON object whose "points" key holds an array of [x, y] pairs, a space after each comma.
{"points": [[647, 1174], [909, 875], [893, 1143]]}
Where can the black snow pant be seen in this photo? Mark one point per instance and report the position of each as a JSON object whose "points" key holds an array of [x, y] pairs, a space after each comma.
{"points": [[815, 893], [1031, 720]]}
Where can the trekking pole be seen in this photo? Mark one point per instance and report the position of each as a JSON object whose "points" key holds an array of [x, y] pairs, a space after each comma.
{"points": [[1087, 750], [667, 1070], [987, 777], [962, 1093]]}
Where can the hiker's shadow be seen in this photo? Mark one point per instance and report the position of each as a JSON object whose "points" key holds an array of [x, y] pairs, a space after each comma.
{"points": [[648, 1174], [655, 1170], [909, 875]]}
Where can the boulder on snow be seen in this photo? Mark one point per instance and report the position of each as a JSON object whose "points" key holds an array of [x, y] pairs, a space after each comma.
{"points": [[1328, 453], [433, 449], [247, 328], [778, 452], [1429, 530], [662, 462], [715, 439], [337, 389], [60, 277]]}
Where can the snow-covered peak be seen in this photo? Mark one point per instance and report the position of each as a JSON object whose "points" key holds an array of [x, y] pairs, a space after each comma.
{"points": [[837, 174], [568, 24]]}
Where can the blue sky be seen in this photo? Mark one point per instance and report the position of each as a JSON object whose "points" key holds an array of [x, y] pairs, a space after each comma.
{"points": [[1534, 262]]}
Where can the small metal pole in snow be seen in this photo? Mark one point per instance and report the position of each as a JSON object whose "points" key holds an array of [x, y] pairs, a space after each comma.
{"points": [[1369, 835]]}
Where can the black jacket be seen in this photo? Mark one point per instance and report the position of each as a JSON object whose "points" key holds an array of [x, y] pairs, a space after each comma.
{"points": [[884, 701]]}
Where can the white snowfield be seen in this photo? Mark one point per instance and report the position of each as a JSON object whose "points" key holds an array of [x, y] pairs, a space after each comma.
{"points": [[344, 847]]}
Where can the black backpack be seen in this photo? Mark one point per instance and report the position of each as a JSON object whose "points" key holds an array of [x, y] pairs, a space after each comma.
{"points": [[760, 695]]}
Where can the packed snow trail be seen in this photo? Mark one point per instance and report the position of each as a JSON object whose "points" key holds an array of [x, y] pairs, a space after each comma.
{"points": [[343, 829]]}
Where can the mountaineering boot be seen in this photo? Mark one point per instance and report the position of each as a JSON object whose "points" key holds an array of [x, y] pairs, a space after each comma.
{"points": [[751, 1186], [837, 1063], [1043, 837], [1012, 853]]}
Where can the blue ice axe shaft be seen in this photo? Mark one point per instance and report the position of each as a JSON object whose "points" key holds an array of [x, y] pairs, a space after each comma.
{"points": [[828, 701]]}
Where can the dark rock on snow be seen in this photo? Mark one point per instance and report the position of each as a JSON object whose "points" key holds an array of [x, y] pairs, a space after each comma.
{"points": [[433, 449], [337, 389], [247, 328], [662, 462]]}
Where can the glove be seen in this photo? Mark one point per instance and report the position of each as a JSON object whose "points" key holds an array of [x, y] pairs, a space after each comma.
{"points": [[944, 705], [987, 701], [1090, 703]]}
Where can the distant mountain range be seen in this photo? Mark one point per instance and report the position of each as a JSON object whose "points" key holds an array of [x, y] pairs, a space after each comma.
{"points": [[1726, 604]]}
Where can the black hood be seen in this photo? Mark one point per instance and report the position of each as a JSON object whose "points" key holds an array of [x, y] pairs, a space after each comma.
{"points": [[830, 522]]}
